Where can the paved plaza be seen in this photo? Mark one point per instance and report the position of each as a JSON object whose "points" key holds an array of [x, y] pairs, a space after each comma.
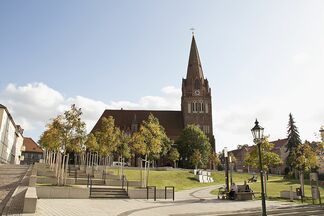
{"points": [[192, 202]]}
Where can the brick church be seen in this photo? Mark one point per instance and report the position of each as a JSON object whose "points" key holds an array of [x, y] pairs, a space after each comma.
{"points": [[196, 105]]}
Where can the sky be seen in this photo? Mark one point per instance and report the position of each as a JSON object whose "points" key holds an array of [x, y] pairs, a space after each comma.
{"points": [[263, 59]]}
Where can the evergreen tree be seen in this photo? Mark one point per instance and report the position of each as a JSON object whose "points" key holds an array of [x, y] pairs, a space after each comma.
{"points": [[293, 141]]}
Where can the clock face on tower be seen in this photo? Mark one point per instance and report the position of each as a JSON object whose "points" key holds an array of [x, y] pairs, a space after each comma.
{"points": [[197, 92]]}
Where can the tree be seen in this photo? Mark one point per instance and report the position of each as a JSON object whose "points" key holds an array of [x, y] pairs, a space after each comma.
{"points": [[192, 138], [91, 143], [64, 135], [305, 157], [106, 136], [214, 160], [196, 158], [150, 142], [174, 156], [122, 149], [269, 158], [293, 141]]}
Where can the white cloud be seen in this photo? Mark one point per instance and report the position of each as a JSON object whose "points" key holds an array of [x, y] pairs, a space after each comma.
{"points": [[32, 105]]}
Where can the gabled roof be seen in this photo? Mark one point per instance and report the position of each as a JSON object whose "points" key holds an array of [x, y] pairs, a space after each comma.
{"points": [[279, 143], [31, 146], [194, 64], [172, 121]]}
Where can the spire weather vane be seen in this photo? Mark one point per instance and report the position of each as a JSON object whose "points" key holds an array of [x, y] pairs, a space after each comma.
{"points": [[192, 30]]}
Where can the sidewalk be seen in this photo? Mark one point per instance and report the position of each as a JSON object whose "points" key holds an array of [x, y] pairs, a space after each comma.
{"points": [[196, 201]]}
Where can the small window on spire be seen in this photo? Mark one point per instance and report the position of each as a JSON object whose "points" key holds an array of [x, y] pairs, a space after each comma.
{"points": [[197, 84]]}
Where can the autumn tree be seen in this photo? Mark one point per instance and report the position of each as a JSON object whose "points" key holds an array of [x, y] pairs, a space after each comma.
{"points": [[196, 158], [214, 160], [106, 136], [122, 149], [305, 157], [150, 142], [269, 158], [174, 156], [67, 133], [192, 139]]}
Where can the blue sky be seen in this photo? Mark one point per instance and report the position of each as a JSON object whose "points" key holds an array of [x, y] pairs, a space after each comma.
{"points": [[263, 59]]}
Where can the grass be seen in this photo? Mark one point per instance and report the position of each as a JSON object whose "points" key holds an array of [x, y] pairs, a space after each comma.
{"points": [[275, 184], [180, 179]]}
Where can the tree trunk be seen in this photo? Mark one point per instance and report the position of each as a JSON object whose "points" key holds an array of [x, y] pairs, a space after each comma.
{"points": [[148, 172], [66, 167]]}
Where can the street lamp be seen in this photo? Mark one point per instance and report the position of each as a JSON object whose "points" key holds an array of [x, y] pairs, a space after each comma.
{"points": [[257, 132], [322, 133], [226, 169], [231, 169]]}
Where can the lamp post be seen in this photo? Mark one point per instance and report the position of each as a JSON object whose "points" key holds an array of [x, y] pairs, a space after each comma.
{"points": [[226, 169], [257, 132], [231, 169], [322, 133]]}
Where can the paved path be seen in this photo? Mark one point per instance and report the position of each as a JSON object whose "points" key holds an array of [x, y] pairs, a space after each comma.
{"points": [[194, 202]]}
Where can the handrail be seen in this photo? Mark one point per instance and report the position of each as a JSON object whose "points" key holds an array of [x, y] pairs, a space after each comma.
{"points": [[90, 186], [147, 192], [165, 192]]}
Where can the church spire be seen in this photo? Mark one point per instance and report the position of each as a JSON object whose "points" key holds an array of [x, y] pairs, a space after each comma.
{"points": [[194, 66]]}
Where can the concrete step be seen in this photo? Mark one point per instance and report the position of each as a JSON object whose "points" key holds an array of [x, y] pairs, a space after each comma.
{"points": [[105, 192]]}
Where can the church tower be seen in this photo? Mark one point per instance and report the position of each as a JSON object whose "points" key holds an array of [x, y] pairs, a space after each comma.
{"points": [[196, 103]]}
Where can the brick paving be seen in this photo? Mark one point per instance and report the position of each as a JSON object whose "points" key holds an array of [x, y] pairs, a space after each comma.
{"points": [[189, 202], [9, 177]]}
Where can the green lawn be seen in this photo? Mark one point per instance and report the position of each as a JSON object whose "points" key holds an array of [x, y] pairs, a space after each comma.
{"points": [[183, 179], [180, 179], [275, 184]]}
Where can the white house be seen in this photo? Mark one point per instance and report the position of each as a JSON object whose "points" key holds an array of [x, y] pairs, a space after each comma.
{"points": [[11, 138]]}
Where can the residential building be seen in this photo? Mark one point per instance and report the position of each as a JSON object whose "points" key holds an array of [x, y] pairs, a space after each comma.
{"points": [[11, 138], [31, 152]]}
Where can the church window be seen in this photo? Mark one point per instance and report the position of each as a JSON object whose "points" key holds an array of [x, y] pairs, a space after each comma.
{"points": [[206, 108], [199, 107], [197, 84], [202, 107], [189, 108]]}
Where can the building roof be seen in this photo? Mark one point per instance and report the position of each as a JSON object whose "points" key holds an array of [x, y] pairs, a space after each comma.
{"points": [[19, 129], [172, 121], [194, 65], [31, 146], [279, 143]]}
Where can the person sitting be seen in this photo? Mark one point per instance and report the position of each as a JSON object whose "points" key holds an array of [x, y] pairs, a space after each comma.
{"points": [[233, 191], [247, 187]]}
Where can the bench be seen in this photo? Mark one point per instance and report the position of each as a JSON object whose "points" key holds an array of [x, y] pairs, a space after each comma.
{"points": [[30, 200], [242, 194]]}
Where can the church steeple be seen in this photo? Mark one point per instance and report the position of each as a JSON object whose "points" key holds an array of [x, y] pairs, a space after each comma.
{"points": [[196, 103], [194, 69]]}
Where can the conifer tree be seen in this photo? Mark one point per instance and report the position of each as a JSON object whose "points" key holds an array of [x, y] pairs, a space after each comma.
{"points": [[293, 141]]}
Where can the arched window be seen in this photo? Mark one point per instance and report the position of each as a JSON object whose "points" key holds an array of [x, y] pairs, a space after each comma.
{"points": [[197, 84]]}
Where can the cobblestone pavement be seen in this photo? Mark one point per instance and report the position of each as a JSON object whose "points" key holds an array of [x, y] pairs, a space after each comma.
{"points": [[194, 202]]}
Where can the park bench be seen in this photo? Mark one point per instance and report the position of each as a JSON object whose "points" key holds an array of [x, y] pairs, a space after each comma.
{"points": [[242, 194]]}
